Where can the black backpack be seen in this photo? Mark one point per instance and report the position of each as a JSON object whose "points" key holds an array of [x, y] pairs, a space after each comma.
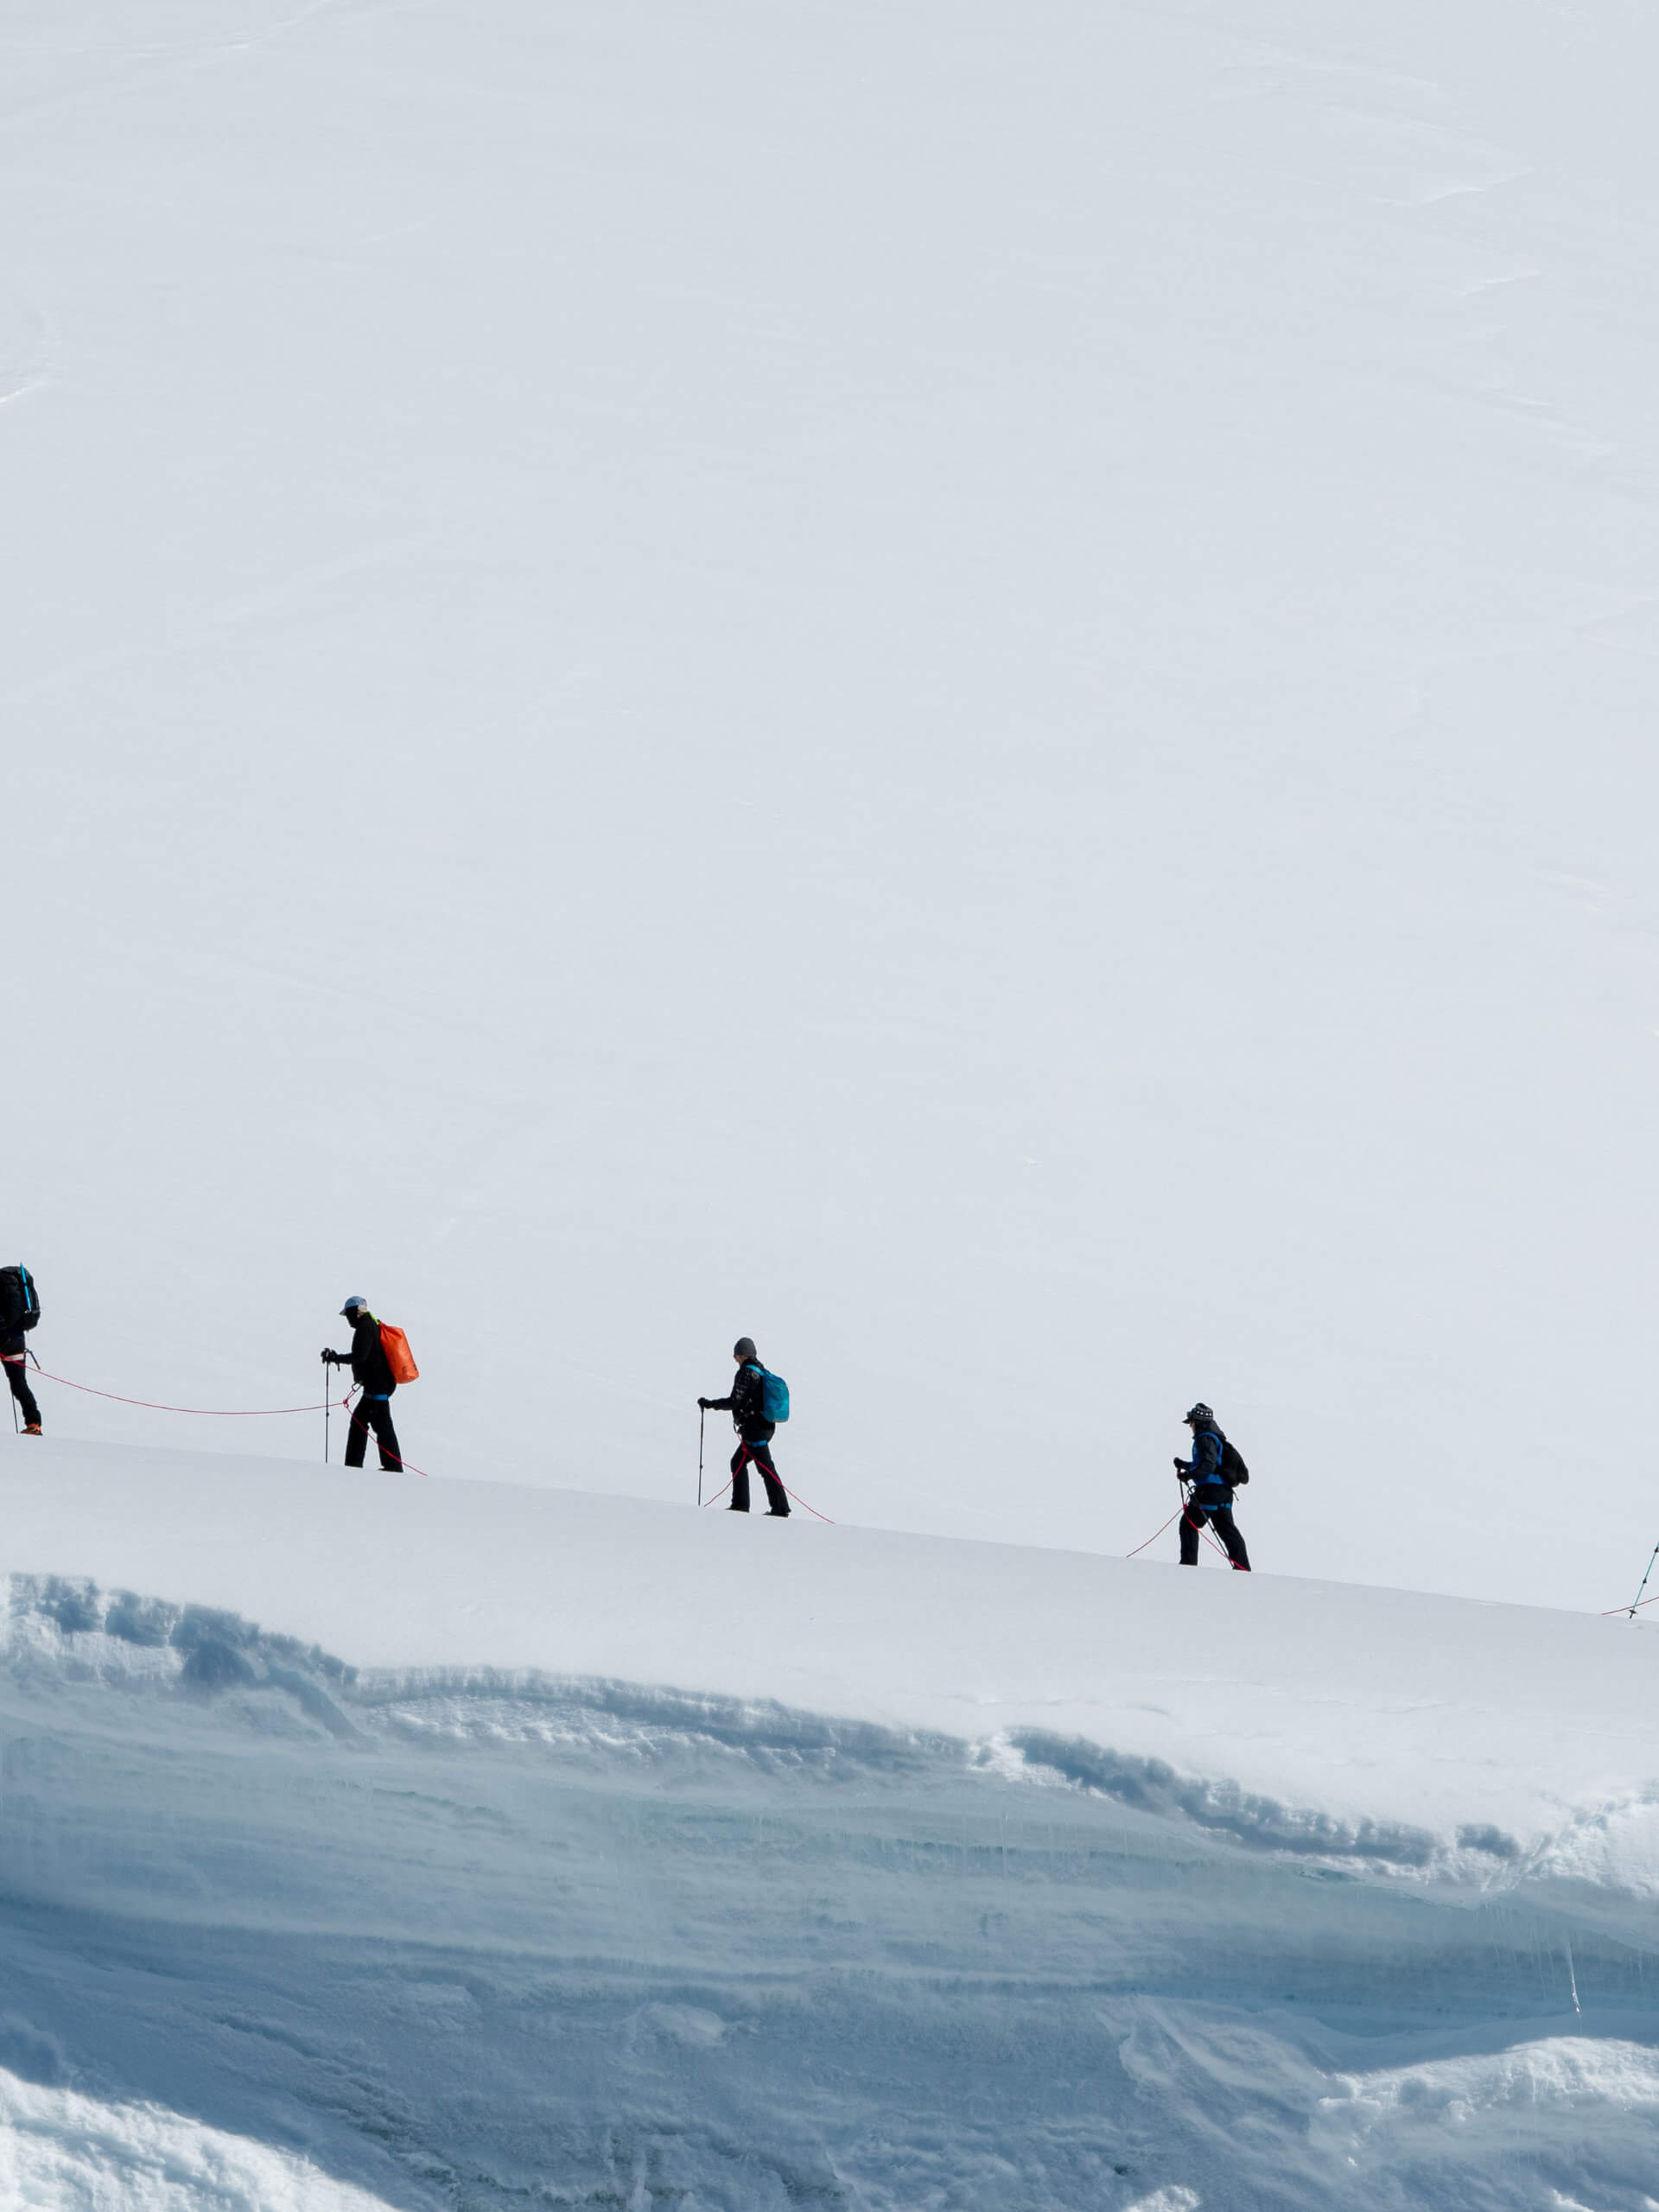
{"points": [[20, 1302], [1233, 1469]]}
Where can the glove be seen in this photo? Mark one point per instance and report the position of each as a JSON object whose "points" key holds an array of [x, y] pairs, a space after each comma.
{"points": [[703, 1404], [1180, 1464], [333, 1358]]}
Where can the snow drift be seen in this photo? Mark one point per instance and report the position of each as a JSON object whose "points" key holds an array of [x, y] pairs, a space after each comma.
{"points": [[464, 1844]]}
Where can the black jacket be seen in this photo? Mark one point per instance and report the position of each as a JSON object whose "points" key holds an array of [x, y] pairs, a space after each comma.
{"points": [[747, 1407], [1209, 1488], [371, 1369]]}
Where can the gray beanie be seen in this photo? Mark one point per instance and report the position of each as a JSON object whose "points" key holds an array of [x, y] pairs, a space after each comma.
{"points": [[744, 1348]]}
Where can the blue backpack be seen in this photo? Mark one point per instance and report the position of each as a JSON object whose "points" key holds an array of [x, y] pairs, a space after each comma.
{"points": [[775, 1394], [20, 1303]]}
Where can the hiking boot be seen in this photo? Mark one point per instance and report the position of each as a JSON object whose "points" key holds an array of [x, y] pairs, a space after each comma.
{"points": [[31, 1428]]}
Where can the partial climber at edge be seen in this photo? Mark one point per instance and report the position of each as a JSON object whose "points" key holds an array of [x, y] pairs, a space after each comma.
{"points": [[20, 1309]]}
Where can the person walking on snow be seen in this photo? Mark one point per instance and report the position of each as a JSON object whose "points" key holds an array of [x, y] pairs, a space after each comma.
{"points": [[371, 1372], [747, 1407], [19, 1310], [1211, 1497]]}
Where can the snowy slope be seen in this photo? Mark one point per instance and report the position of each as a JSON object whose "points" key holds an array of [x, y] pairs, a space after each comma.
{"points": [[1495, 1716], [468, 1846], [969, 686]]}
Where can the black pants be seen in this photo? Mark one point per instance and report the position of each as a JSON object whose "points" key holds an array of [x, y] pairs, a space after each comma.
{"points": [[1220, 1518], [372, 1414], [18, 1376], [777, 1496]]}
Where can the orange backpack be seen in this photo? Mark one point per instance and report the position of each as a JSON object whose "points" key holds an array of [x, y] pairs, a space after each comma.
{"points": [[399, 1358]]}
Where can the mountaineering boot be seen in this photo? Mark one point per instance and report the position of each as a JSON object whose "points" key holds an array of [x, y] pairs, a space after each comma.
{"points": [[31, 1428], [772, 1514]]}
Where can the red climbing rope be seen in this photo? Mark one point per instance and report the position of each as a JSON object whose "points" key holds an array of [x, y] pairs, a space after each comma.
{"points": [[1156, 1533], [211, 1413], [782, 1485], [1203, 1531], [812, 1510], [406, 1466]]}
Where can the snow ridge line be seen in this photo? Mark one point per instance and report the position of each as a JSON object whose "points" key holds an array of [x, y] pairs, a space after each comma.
{"points": [[65, 1629], [1151, 1785]]}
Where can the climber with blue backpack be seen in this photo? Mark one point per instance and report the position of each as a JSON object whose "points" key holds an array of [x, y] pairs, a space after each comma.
{"points": [[1215, 1467], [759, 1401]]}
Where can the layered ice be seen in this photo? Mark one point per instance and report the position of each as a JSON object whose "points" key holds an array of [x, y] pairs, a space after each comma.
{"points": [[502, 1928]]}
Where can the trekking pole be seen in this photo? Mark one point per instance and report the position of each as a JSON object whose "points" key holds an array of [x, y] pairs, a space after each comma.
{"points": [[23, 1359], [327, 1403], [1631, 1615], [702, 1417]]}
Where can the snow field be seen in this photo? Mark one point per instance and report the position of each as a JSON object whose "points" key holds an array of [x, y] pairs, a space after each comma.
{"points": [[969, 689]]}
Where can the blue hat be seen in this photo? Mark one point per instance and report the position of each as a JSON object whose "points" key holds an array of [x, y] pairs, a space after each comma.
{"points": [[353, 1304]]}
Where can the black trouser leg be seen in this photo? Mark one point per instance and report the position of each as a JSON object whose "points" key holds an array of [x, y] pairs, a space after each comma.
{"points": [[777, 1496], [372, 1414], [1191, 1521], [1222, 1522], [1220, 1518], [18, 1376], [390, 1458], [740, 1480]]}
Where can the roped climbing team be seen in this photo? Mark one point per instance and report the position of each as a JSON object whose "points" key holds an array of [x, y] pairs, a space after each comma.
{"points": [[756, 1401]]}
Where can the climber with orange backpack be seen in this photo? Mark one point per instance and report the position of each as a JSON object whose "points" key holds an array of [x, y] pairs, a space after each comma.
{"points": [[379, 1360]]}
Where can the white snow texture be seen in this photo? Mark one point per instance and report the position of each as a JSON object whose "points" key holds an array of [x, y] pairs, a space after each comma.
{"points": [[970, 687], [964, 1876]]}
